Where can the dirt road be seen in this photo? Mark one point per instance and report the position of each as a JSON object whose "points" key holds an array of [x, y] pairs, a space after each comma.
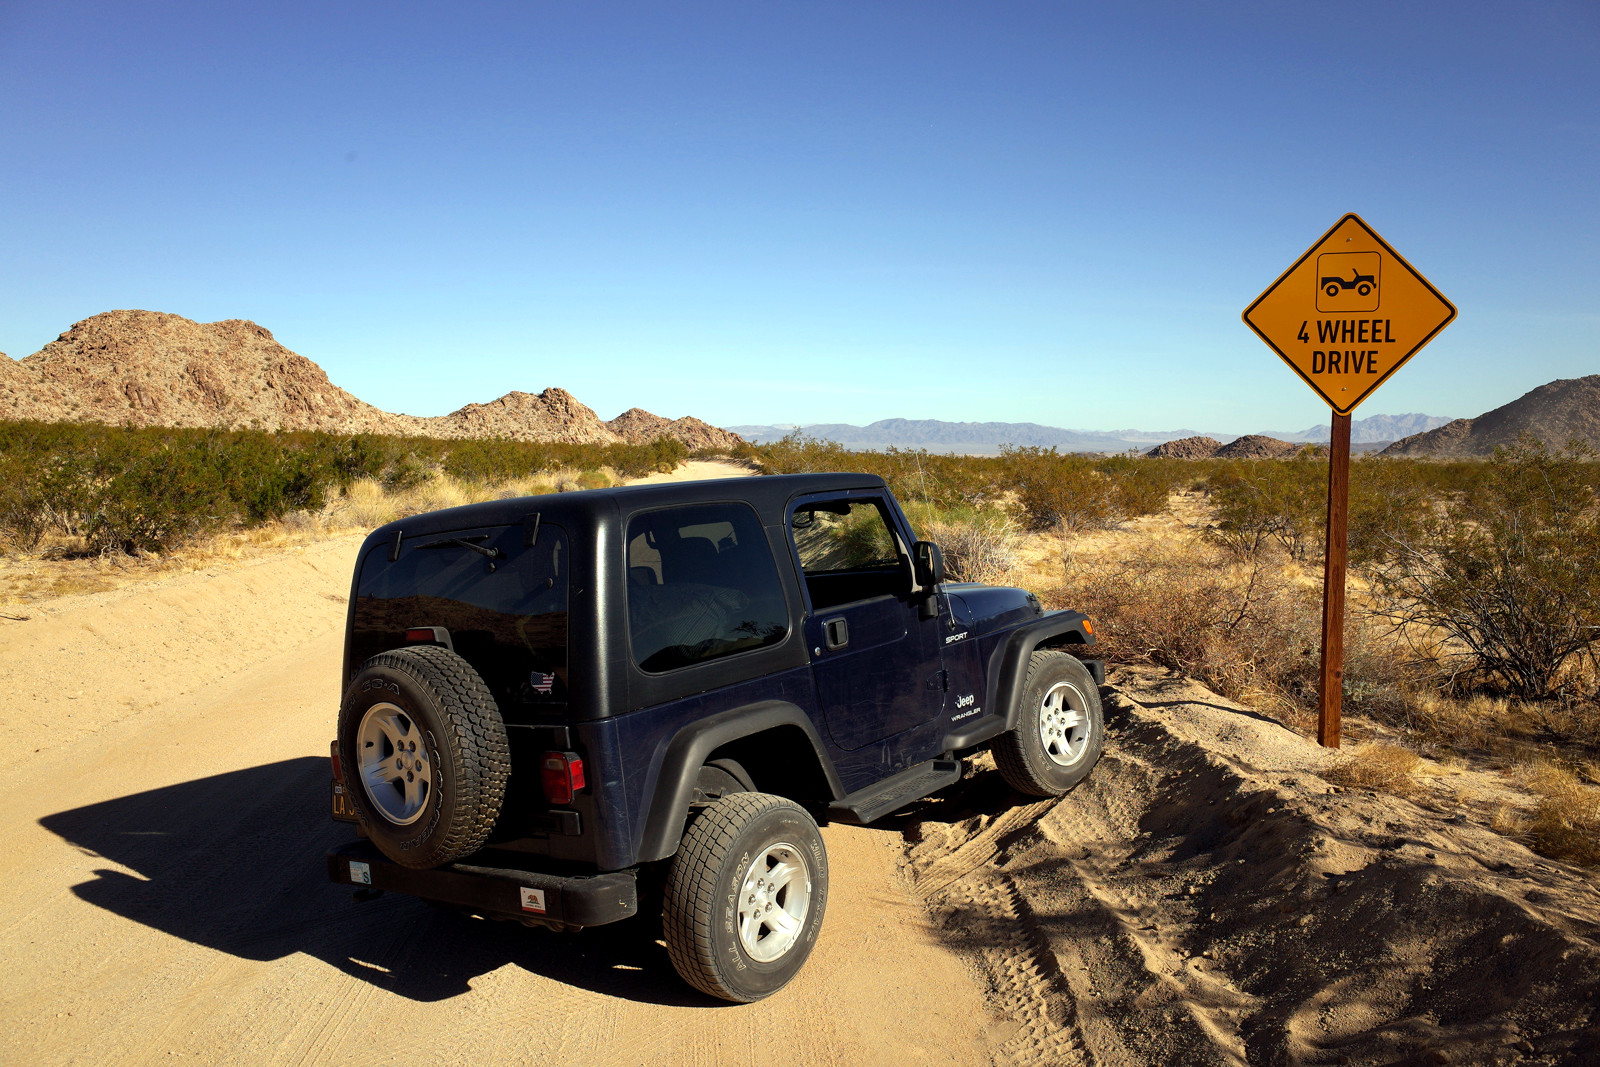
{"points": [[162, 827]]}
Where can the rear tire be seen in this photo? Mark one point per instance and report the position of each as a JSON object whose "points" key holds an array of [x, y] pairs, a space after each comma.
{"points": [[745, 896], [1060, 728], [424, 750]]}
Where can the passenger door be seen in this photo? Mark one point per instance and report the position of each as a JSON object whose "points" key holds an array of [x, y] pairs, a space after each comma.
{"points": [[875, 661]]}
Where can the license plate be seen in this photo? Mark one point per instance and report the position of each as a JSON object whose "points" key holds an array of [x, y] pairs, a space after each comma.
{"points": [[343, 809]]}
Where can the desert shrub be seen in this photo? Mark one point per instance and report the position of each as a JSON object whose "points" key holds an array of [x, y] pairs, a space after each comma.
{"points": [[1264, 501], [1143, 486], [1507, 572], [265, 476], [1055, 491], [1258, 503], [148, 489], [159, 498], [1242, 625], [915, 475], [979, 545], [797, 453], [24, 502], [1390, 500], [635, 461]]}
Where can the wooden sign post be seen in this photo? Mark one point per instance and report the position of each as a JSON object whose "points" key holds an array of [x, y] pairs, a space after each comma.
{"points": [[1330, 683], [1345, 317]]}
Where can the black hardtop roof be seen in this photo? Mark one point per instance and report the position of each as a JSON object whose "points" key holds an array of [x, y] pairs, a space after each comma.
{"points": [[767, 493]]}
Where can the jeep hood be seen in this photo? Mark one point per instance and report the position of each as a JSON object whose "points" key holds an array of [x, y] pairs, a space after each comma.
{"points": [[982, 609]]}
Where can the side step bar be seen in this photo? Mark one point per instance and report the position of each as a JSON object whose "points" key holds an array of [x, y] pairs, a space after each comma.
{"points": [[877, 800]]}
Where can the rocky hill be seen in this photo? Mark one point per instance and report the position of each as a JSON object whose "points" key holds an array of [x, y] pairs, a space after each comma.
{"points": [[1258, 446], [1186, 448], [1555, 413], [147, 368], [639, 426], [1251, 446]]}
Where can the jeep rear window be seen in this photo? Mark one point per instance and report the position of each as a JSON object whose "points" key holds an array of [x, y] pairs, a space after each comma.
{"points": [[701, 585], [506, 616]]}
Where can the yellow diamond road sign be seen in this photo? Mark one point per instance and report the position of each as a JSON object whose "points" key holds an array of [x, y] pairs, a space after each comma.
{"points": [[1348, 314]]}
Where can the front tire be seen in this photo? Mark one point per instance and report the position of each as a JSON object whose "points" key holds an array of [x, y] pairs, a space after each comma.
{"points": [[745, 896], [1060, 728]]}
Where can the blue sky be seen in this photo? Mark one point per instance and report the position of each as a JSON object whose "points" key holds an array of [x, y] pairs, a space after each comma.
{"points": [[807, 212]]}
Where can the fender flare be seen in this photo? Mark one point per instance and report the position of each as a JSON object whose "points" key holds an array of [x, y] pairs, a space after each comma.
{"points": [[1008, 663], [692, 746]]}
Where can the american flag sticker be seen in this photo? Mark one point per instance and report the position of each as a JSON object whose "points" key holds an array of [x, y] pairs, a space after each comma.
{"points": [[542, 683]]}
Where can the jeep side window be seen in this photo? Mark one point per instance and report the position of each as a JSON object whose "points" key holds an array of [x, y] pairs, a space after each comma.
{"points": [[847, 551], [701, 584]]}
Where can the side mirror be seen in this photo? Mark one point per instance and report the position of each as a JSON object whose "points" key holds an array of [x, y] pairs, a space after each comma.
{"points": [[929, 562]]}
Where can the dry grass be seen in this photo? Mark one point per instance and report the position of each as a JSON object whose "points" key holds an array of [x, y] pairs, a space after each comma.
{"points": [[1563, 820], [1566, 814], [1474, 723], [1378, 766]]}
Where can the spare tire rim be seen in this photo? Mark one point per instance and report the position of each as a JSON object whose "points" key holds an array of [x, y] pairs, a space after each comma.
{"points": [[394, 764], [1064, 724], [774, 899]]}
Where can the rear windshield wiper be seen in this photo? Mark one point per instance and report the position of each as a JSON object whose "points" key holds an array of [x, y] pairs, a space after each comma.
{"points": [[467, 542]]}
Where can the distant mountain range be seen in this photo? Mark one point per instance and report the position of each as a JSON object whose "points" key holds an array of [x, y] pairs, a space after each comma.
{"points": [[1556, 413], [983, 438]]}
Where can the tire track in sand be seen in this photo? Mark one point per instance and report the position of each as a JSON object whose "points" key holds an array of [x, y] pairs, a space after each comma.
{"points": [[1094, 981]]}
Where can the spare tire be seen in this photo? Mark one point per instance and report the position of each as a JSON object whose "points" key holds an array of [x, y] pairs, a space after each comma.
{"points": [[424, 751]]}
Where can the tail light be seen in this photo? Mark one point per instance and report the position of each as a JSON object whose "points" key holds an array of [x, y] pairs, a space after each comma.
{"points": [[333, 756], [562, 776], [430, 635]]}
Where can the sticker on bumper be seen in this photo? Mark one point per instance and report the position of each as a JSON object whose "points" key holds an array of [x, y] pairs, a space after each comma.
{"points": [[532, 899], [360, 873]]}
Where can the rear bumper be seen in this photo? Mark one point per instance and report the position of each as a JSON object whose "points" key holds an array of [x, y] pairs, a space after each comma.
{"points": [[494, 892]]}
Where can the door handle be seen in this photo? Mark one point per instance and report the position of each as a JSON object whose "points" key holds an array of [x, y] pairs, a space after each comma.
{"points": [[835, 633]]}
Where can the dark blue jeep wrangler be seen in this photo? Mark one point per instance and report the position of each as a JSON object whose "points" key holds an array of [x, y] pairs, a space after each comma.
{"points": [[559, 706]]}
